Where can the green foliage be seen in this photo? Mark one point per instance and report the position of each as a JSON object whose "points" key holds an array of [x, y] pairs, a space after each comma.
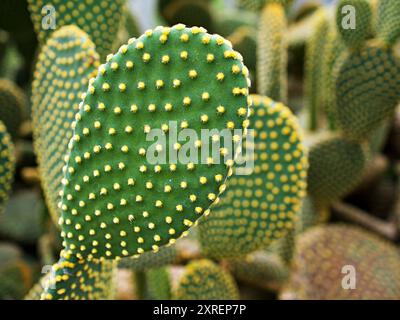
{"points": [[7, 165], [64, 67], [115, 203], [355, 37], [158, 284], [12, 106], [336, 167], [100, 19], [205, 280], [375, 261], [272, 53], [228, 21], [367, 88], [262, 206], [388, 21], [74, 279]]}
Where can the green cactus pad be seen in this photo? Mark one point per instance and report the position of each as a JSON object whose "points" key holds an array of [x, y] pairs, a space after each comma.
{"points": [[98, 18], [158, 284], [336, 167], [12, 106], [363, 19], [120, 201], [205, 280], [73, 279], [316, 68], [261, 269], [244, 40], [66, 63], [257, 5], [388, 21], [15, 273], [272, 53], [367, 88], [375, 261], [166, 255], [7, 165], [260, 207]]}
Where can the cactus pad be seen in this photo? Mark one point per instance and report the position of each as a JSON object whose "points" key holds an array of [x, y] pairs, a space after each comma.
{"points": [[121, 197], [367, 88], [272, 53], [375, 261], [99, 19], [363, 28], [73, 279], [7, 165], [388, 21], [12, 106], [260, 207], [158, 284], [336, 167], [205, 280], [66, 63]]}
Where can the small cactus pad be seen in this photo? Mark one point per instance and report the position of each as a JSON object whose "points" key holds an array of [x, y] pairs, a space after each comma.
{"points": [[7, 165], [260, 207], [98, 18], [121, 196], [272, 53], [12, 106], [166, 255], [354, 36], [73, 279], [15, 273], [336, 167], [388, 21], [66, 63], [261, 269], [375, 262], [367, 88], [205, 280]]}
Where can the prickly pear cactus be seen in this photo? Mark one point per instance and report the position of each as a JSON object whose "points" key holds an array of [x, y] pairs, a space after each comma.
{"points": [[354, 36], [12, 106], [205, 280], [367, 87], [120, 197], [272, 53], [66, 63], [99, 19], [336, 167], [388, 21], [74, 279], [375, 262], [158, 284], [260, 207], [262, 269], [7, 165]]}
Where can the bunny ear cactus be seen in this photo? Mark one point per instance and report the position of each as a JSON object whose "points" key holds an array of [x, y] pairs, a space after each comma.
{"points": [[388, 21], [98, 18], [12, 106], [205, 280], [375, 261], [354, 35], [272, 53], [260, 207], [7, 165], [120, 196], [336, 167], [74, 279], [261, 269], [66, 63]]}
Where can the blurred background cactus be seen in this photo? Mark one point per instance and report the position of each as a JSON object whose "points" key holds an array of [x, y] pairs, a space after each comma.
{"points": [[314, 84]]}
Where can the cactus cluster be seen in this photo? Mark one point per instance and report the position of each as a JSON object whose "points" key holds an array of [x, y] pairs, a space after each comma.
{"points": [[7, 165]]}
